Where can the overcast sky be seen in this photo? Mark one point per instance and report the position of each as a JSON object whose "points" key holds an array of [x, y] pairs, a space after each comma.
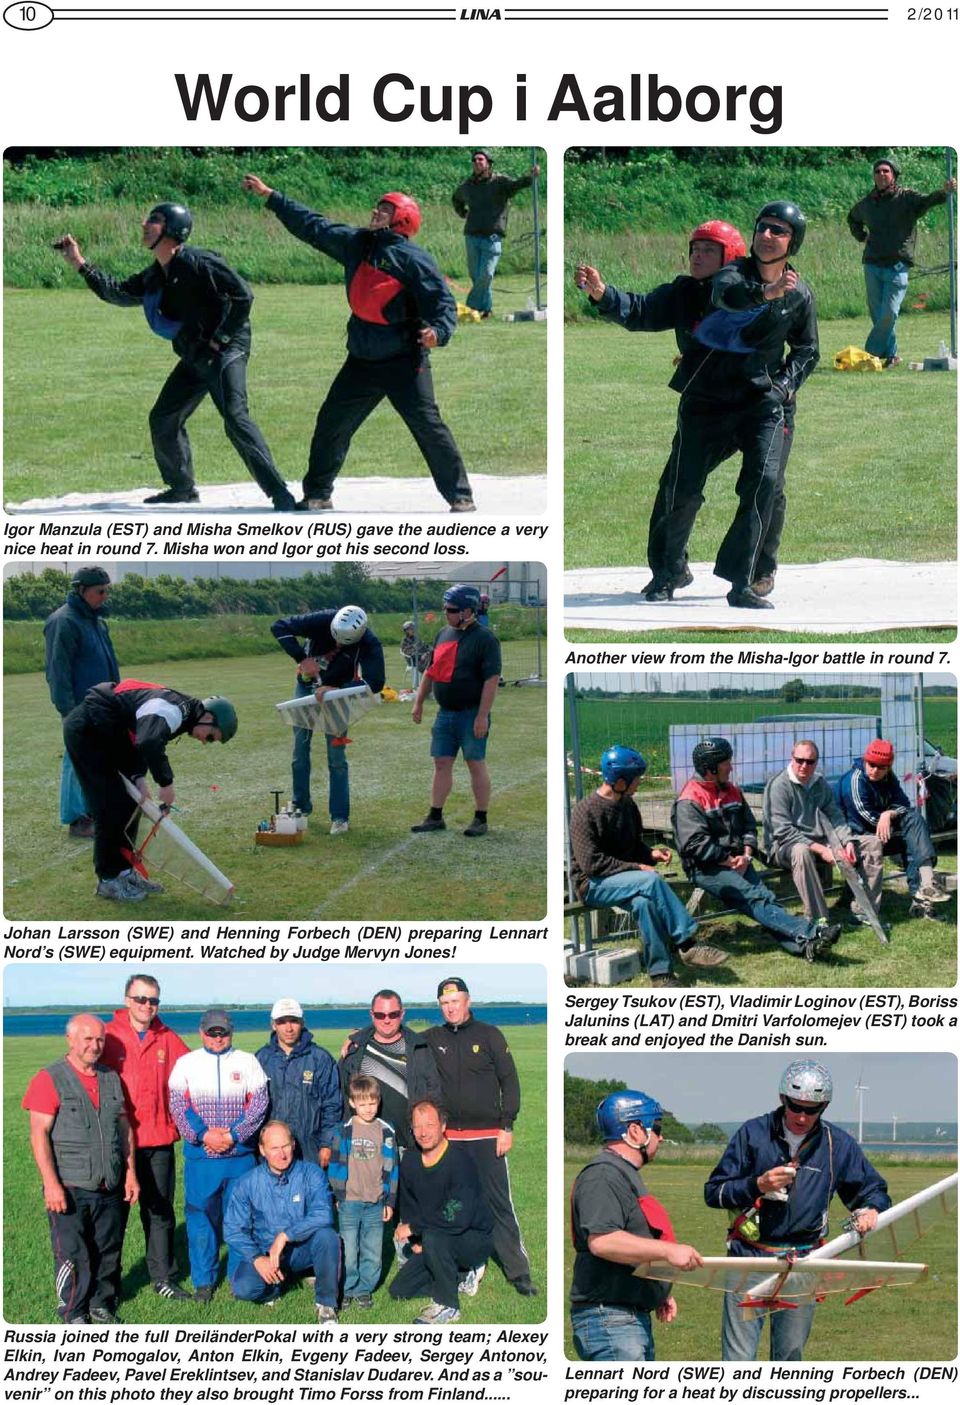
{"points": [[720, 1087], [199, 983]]}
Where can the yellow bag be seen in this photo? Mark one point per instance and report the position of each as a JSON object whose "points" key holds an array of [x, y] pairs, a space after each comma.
{"points": [[467, 314], [389, 694], [851, 358]]}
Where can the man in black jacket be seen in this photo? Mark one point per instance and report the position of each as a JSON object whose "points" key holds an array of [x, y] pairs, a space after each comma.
{"points": [[481, 202], [123, 729], [480, 1090], [194, 299], [332, 649], [398, 1058], [885, 223], [400, 309], [78, 654]]}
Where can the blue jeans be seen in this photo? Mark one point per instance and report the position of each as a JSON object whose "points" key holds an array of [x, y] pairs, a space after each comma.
{"points": [[745, 892], [886, 289], [789, 1330], [483, 255], [336, 766], [361, 1229], [319, 1255], [453, 731], [911, 838], [602, 1332], [663, 921], [73, 802]]}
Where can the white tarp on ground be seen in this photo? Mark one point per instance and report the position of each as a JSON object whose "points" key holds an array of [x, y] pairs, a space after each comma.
{"points": [[519, 496], [833, 597]]}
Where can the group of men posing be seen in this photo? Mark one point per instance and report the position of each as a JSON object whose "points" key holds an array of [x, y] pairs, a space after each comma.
{"points": [[271, 1166], [775, 1181], [115, 728], [805, 826], [401, 309], [746, 329]]}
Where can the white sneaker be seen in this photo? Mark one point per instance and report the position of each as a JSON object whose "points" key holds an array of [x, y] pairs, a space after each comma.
{"points": [[340, 827], [436, 1314], [470, 1282], [932, 894], [146, 885]]}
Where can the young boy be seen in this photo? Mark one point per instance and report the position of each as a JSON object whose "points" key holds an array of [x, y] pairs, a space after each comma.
{"points": [[363, 1174]]}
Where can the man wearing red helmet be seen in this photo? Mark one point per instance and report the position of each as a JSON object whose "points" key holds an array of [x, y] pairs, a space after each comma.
{"points": [[679, 306], [400, 309], [874, 802]]}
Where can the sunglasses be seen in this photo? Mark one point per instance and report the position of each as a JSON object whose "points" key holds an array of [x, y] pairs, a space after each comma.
{"points": [[803, 1109], [145, 999], [765, 227], [217, 1033], [804, 760], [656, 1128], [452, 610], [386, 1014]]}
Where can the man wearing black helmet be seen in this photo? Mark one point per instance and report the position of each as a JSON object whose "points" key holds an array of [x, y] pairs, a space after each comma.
{"points": [[481, 202], [617, 1226], [717, 839], [612, 865], [681, 306], [401, 308], [123, 729], [192, 298], [885, 223], [464, 674], [78, 654]]}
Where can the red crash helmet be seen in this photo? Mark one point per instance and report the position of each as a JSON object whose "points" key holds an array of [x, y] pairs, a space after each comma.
{"points": [[719, 232], [406, 212]]}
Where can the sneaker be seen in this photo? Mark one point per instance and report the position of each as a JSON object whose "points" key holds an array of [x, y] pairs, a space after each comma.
{"points": [[120, 890], [919, 908], [475, 828], [104, 1317], [166, 1289], [146, 885], [326, 1314], [340, 827], [525, 1288], [675, 582], [173, 495], [665, 982], [763, 585], [364, 1300], [79, 1319], [204, 1294], [435, 1314], [471, 1280], [746, 598], [463, 505], [658, 590], [701, 954], [83, 828], [892, 361], [314, 505], [928, 894], [823, 937], [427, 826], [287, 504]]}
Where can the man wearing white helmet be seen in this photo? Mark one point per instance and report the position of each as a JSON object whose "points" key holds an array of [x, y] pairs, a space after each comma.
{"points": [[332, 649], [776, 1180], [616, 1225]]}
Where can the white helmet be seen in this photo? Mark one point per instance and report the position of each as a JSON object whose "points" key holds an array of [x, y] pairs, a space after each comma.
{"points": [[349, 624], [807, 1082]]}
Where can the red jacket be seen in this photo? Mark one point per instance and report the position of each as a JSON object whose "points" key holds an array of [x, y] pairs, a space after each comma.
{"points": [[144, 1066]]}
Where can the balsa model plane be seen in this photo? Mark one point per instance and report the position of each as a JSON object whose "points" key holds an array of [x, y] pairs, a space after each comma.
{"points": [[168, 849], [767, 1284], [331, 714]]}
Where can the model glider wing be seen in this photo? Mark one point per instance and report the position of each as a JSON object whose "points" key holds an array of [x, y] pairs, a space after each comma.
{"points": [[167, 848], [333, 714], [792, 1281], [853, 880]]}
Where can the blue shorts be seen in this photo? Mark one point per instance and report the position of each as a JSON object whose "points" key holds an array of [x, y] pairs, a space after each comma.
{"points": [[453, 732]]}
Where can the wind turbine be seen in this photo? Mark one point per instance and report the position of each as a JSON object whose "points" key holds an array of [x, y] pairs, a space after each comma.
{"points": [[894, 1119], [861, 1088]]}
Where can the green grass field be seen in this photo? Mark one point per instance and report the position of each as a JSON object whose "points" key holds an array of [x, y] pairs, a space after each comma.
{"points": [[28, 1267], [872, 473], [378, 871], [490, 383], [895, 1324]]}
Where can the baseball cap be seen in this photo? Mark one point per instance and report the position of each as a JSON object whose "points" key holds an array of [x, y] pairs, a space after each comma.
{"points": [[286, 1009], [451, 986], [215, 1019]]}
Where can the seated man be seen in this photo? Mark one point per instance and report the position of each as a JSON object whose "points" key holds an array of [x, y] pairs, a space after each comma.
{"points": [[443, 1236], [717, 839], [795, 837], [279, 1224], [874, 802], [612, 866]]}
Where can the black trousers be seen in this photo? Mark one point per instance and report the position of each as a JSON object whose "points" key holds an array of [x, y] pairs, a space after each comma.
{"points": [[157, 1174], [494, 1173], [435, 1272], [97, 758], [86, 1243], [706, 436], [357, 390], [222, 376]]}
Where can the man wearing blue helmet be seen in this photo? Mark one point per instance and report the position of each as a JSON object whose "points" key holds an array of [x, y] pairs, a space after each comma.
{"points": [[613, 866], [776, 1180], [465, 675], [617, 1225]]}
